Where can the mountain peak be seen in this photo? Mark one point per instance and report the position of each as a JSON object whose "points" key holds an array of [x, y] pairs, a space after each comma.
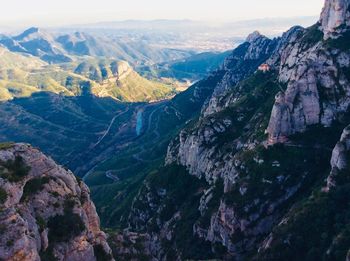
{"points": [[28, 32], [253, 36], [335, 17]]}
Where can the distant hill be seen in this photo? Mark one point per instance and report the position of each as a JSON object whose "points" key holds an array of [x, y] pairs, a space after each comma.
{"points": [[117, 79], [61, 48], [22, 74], [189, 69], [38, 43]]}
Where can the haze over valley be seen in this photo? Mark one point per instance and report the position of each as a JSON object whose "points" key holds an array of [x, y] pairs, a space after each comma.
{"points": [[186, 131]]}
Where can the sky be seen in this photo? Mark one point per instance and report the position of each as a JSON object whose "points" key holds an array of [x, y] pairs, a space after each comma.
{"points": [[65, 12]]}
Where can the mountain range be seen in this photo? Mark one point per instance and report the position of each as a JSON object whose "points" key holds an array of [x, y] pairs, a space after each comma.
{"points": [[251, 162], [58, 48]]}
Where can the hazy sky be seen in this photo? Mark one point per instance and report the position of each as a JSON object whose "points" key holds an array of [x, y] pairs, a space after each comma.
{"points": [[60, 12]]}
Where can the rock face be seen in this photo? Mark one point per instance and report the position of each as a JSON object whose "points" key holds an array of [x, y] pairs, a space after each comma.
{"points": [[317, 87], [45, 212], [241, 63], [335, 17], [250, 188], [340, 158]]}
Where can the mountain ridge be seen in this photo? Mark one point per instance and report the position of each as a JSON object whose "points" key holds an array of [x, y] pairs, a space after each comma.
{"points": [[255, 197]]}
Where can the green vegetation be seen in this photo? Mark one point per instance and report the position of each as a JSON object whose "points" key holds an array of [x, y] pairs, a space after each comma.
{"points": [[33, 186], [14, 170], [342, 43], [41, 223], [2, 229], [106, 78], [101, 254], [313, 35], [48, 255], [281, 167], [192, 68], [317, 229], [175, 181], [6, 145], [213, 204], [3, 196], [64, 227]]}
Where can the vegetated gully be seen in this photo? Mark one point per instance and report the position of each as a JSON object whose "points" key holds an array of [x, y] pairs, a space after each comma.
{"points": [[139, 125]]}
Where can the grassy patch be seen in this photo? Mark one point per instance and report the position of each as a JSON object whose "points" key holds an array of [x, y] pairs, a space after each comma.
{"points": [[6, 145]]}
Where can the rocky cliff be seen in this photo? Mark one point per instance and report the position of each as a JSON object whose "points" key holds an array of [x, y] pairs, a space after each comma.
{"points": [[340, 159], [45, 212], [253, 164], [335, 18], [315, 70], [241, 63]]}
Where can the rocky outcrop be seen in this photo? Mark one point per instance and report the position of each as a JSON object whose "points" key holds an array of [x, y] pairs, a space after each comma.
{"points": [[315, 73], [317, 91], [335, 17], [250, 188], [45, 212], [243, 61], [190, 151], [340, 158]]}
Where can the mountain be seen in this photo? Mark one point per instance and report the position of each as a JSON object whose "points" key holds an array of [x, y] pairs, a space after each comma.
{"points": [[23, 75], [61, 48], [118, 80], [45, 212], [38, 43], [249, 163], [190, 69], [263, 172]]}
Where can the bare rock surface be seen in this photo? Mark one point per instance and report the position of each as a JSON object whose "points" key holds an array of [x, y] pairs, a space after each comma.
{"points": [[335, 17], [46, 211]]}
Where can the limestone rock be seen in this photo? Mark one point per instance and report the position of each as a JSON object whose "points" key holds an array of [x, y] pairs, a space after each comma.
{"points": [[335, 17], [243, 61], [39, 190], [340, 158]]}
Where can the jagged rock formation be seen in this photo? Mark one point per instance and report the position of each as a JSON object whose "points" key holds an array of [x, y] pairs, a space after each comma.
{"points": [[45, 213], [241, 63], [316, 77], [335, 17], [245, 199], [340, 158]]}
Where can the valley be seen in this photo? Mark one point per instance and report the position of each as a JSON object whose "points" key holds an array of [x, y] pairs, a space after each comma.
{"points": [[183, 153]]}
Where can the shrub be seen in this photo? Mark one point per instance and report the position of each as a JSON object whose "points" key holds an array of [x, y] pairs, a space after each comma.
{"points": [[41, 223], [48, 255], [101, 254], [64, 227], [2, 229], [313, 35], [33, 186], [14, 170], [69, 204], [6, 145], [342, 43], [3, 196]]}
